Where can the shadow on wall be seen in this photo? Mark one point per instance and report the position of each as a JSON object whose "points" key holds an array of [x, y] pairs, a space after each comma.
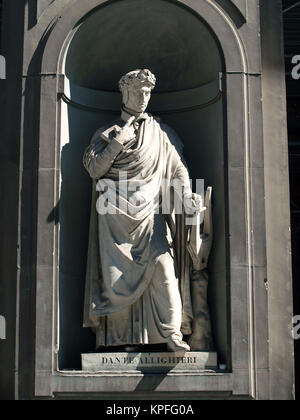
{"points": [[74, 217]]}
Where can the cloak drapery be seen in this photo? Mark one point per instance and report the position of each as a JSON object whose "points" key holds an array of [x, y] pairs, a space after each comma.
{"points": [[130, 233]]}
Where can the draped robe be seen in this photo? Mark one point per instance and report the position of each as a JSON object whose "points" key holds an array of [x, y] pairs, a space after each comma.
{"points": [[128, 233]]}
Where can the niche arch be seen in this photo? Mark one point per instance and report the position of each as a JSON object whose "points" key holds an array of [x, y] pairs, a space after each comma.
{"points": [[235, 131]]}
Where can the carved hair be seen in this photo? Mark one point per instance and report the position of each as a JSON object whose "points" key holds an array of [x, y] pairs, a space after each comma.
{"points": [[137, 78]]}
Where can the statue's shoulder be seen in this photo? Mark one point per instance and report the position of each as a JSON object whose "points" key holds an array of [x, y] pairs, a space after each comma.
{"points": [[172, 136]]}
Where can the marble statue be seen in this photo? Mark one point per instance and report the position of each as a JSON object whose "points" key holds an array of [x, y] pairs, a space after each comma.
{"points": [[146, 281]]}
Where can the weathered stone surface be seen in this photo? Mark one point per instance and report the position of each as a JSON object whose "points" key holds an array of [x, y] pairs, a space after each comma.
{"points": [[42, 5], [241, 5], [149, 362]]}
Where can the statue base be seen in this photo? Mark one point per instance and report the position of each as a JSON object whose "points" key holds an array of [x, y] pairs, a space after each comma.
{"points": [[149, 362]]}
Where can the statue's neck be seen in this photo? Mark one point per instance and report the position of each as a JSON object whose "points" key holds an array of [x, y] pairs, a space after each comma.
{"points": [[132, 112]]}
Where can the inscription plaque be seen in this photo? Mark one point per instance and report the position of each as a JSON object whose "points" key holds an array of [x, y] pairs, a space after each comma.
{"points": [[149, 362]]}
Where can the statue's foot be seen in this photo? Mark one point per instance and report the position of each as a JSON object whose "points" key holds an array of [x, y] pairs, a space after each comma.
{"points": [[178, 346]]}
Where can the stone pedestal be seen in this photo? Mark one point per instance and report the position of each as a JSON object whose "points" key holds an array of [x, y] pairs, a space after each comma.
{"points": [[149, 362]]}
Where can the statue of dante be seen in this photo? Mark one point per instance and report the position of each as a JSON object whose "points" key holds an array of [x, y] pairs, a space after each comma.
{"points": [[136, 292]]}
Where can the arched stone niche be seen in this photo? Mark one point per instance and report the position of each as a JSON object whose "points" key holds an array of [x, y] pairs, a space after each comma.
{"points": [[169, 40], [210, 116], [185, 57]]}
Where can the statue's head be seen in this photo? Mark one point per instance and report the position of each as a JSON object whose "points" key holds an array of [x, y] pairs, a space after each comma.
{"points": [[136, 88]]}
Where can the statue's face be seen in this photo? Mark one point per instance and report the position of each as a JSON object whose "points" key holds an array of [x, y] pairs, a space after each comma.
{"points": [[137, 98]]}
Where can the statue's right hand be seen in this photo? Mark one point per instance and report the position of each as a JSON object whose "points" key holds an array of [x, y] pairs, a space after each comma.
{"points": [[126, 133]]}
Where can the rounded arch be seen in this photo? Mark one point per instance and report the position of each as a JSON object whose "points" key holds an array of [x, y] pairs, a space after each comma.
{"points": [[58, 35], [172, 42]]}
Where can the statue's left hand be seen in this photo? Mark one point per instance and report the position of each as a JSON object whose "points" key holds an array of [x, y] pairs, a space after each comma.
{"points": [[193, 204]]}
